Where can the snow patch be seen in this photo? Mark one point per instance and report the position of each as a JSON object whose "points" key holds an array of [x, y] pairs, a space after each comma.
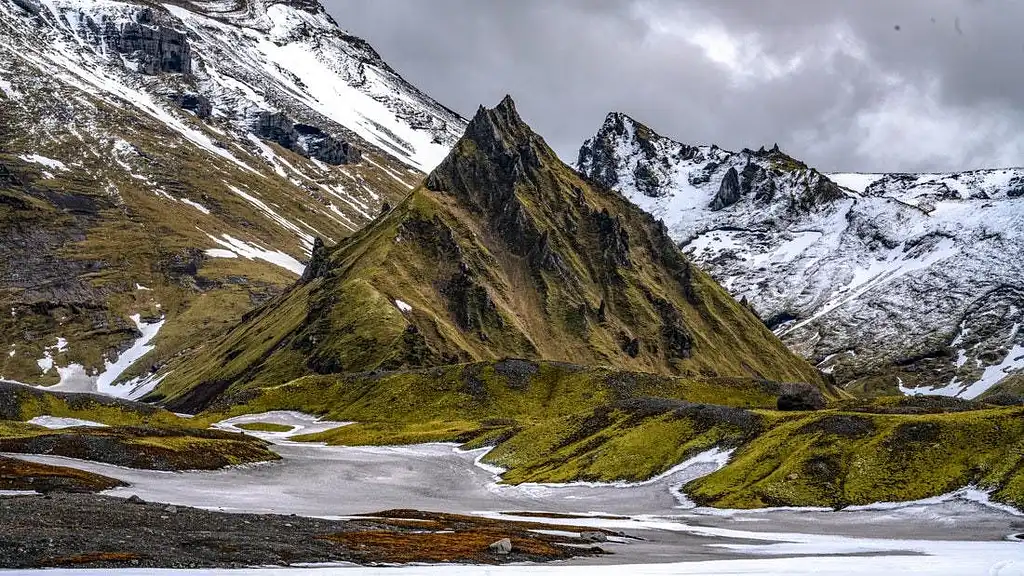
{"points": [[55, 423], [855, 181], [75, 378], [249, 251], [404, 307], [44, 161], [195, 205]]}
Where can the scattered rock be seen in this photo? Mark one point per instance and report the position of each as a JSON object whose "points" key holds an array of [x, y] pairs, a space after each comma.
{"points": [[134, 499], [801, 397], [503, 547], [593, 536], [171, 509]]}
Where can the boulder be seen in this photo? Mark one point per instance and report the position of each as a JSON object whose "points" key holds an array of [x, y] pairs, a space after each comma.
{"points": [[502, 547], [801, 397]]}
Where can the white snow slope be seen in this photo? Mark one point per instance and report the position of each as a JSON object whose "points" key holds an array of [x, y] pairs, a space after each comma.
{"points": [[896, 277]]}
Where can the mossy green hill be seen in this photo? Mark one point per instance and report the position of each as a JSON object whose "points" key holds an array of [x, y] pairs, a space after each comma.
{"points": [[504, 251]]}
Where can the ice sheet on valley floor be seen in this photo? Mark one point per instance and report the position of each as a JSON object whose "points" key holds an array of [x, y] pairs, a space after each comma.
{"points": [[943, 563], [300, 423], [55, 423]]}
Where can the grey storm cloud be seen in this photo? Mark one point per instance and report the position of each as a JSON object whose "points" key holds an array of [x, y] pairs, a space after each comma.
{"points": [[865, 85]]}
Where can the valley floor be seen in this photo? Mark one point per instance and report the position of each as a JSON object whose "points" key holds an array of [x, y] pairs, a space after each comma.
{"points": [[960, 534]]}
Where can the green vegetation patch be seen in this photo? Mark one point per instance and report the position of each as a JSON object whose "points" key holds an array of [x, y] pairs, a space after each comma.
{"points": [[840, 459], [22, 403], [265, 427], [140, 447]]}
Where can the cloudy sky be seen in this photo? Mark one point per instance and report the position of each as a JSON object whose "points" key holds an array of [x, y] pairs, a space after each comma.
{"points": [[859, 85]]}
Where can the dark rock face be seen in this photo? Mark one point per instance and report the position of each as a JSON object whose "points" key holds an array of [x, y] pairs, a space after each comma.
{"points": [[614, 239], [469, 302], [320, 145], [304, 139], [156, 48], [730, 191], [801, 397], [195, 103], [318, 266], [597, 157], [757, 182], [30, 6]]}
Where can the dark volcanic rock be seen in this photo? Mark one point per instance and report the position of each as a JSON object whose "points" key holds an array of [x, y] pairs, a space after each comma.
{"points": [[318, 265], [154, 47], [730, 191], [86, 531], [309, 141], [195, 103]]}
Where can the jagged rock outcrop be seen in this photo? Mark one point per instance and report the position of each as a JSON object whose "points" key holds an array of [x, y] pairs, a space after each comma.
{"points": [[148, 41], [648, 172], [307, 140], [729, 192], [318, 266]]}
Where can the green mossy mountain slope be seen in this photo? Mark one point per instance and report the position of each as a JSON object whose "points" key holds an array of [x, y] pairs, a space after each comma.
{"points": [[503, 252]]}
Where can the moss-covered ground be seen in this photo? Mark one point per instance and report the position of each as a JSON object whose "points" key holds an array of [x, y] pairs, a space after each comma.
{"points": [[137, 435], [264, 427], [553, 422]]}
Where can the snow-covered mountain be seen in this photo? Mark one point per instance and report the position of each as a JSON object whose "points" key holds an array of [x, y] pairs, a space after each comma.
{"points": [[177, 160], [888, 281]]}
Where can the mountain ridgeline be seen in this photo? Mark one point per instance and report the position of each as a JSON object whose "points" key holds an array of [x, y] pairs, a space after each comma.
{"points": [[503, 251], [892, 283]]}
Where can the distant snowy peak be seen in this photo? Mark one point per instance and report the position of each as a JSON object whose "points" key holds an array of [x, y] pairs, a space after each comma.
{"points": [[251, 56], [680, 182], [923, 190], [890, 282], [628, 155]]}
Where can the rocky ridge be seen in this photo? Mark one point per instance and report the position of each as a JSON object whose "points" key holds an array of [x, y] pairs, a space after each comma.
{"points": [[891, 282]]}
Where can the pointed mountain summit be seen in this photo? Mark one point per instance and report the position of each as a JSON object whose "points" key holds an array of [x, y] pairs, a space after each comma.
{"points": [[504, 251]]}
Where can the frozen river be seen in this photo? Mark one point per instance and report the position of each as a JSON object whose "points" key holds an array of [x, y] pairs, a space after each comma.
{"points": [[959, 534]]}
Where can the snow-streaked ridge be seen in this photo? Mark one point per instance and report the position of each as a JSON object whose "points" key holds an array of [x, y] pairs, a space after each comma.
{"points": [[881, 277]]}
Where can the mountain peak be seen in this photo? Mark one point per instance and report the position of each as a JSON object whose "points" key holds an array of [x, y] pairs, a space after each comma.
{"points": [[499, 131], [507, 252], [497, 152]]}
